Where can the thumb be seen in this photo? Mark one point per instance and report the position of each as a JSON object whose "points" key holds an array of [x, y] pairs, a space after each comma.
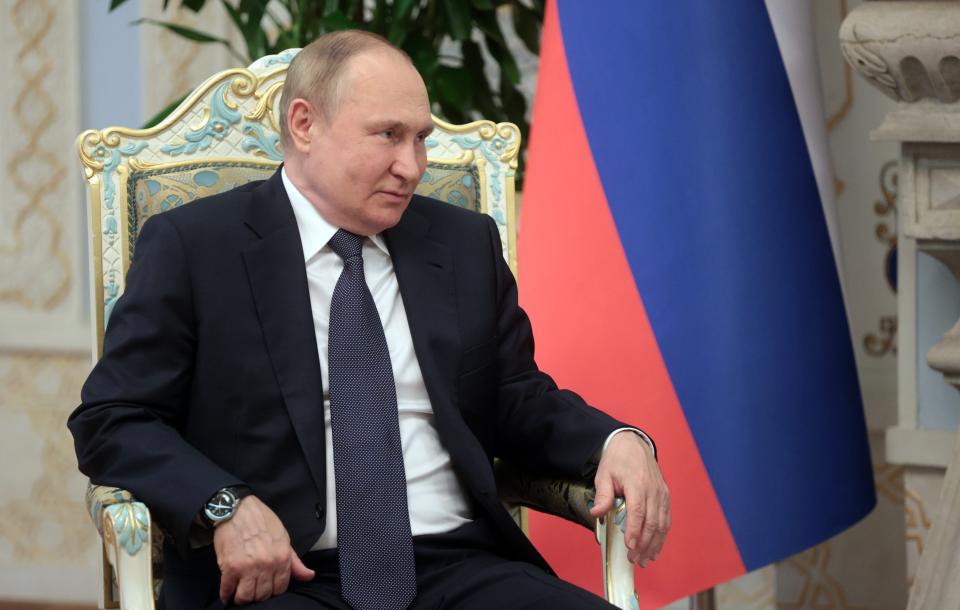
{"points": [[603, 501], [298, 570]]}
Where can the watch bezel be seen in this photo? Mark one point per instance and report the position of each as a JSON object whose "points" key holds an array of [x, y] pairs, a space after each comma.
{"points": [[222, 506]]}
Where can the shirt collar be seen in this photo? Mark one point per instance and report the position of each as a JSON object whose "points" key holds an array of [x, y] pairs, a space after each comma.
{"points": [[315, 231]]}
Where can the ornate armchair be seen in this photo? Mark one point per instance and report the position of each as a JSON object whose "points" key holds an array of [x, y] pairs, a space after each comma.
{"points": [[226, 134]]}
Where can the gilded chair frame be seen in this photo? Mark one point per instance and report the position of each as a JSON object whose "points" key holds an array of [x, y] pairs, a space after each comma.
{"points": [[231, 119]]}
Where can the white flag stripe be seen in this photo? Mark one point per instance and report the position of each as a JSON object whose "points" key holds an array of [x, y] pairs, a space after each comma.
{"points": [[792, 22]]}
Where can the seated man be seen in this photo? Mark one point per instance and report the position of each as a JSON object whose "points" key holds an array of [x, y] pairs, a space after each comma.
{"points": [[307, 378]]}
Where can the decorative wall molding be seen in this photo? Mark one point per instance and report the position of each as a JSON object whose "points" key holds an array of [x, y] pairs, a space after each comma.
{"points": [[908, 50], [42, 300]]}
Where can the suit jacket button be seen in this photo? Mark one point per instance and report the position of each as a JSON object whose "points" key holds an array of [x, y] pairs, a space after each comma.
{"points": [[320, 509]]}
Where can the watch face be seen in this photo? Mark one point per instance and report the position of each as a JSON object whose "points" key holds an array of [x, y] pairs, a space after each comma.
{"points": [[221, 506]]}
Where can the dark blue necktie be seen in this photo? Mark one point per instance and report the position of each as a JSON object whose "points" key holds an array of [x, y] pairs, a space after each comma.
{"points": [[374, 545]]}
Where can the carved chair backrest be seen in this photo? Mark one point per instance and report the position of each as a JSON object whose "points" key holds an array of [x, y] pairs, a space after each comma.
{"points": [[225, 134]]}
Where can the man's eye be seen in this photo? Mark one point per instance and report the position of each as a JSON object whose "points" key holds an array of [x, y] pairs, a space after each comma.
{"points": [[422, 138], [388, 134]]}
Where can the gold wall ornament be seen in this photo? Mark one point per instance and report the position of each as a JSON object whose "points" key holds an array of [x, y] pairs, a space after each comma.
{"points": [[883, 341], [34, 169]]}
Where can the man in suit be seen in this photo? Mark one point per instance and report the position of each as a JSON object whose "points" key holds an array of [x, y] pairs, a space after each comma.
{"points": [[307, 378]]}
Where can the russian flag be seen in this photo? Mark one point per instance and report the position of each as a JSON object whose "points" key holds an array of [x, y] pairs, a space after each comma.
{"points": [[676, 260]]}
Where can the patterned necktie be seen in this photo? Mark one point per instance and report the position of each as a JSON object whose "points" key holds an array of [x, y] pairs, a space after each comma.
{"points": [[374, 544]]}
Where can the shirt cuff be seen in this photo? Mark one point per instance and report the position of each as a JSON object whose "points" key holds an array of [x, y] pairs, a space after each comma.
{"points": [[642, 434]]}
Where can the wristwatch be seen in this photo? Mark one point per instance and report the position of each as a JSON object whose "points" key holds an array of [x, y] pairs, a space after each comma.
{"points": [[223, 504]]}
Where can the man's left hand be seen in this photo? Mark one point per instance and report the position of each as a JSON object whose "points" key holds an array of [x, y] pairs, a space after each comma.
{"points": [[628, 469]]}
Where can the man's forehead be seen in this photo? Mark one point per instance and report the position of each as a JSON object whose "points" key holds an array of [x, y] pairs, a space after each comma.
{"points": [[378, 64]]}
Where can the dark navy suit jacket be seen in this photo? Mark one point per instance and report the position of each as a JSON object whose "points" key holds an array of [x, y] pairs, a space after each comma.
{"points": [[210, 375]]}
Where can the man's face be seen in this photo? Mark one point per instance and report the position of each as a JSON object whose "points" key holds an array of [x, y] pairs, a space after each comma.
{"points": [[361, 166]]}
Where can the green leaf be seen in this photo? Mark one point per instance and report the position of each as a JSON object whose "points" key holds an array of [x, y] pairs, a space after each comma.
{"points": [[180, 30], [192, 34], [336, 21], [257, 43], [193, 5], [399, 23], [508, 65], [155, 119], [489, 25], [114, 4], [483, 98], [458, 19], [379, 22], [234, 14], [451, 113], [454, 86], [424, 55], [527, 25], [483, 5]]}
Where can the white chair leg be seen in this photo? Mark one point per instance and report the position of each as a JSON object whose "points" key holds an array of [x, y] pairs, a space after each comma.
{"points": [[618, 582], [126, 540]]}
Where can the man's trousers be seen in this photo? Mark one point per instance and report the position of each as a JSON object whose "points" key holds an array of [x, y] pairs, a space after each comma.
{"points": [[458, 570]]}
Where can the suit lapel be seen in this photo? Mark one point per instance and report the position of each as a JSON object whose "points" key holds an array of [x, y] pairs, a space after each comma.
{"points": [[425, 271], [278, 281]]}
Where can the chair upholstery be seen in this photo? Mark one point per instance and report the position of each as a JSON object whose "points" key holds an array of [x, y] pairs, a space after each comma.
{"points": [[223, 135]]}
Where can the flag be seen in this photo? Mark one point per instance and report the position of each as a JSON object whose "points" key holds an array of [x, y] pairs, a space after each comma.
{"points": [[675, 257]]}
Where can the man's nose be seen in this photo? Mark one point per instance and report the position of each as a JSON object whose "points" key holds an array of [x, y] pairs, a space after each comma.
{"points": [[408, 164]]}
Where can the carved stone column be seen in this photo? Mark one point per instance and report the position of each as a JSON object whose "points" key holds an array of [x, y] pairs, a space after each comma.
{"points": [[911, 52]]}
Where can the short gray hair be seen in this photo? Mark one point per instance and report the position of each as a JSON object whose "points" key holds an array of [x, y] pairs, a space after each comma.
{"points": [[316, 72]]}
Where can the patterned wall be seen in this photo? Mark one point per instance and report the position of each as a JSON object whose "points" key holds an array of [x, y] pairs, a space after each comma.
{"points": [[43, 273], [41, 296], [42, 304]]}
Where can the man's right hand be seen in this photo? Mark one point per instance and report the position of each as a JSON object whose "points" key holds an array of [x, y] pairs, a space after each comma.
{"points": [[254, 554]]}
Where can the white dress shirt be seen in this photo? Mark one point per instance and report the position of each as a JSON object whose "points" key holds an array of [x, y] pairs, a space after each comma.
{"points": [[436, 498]]}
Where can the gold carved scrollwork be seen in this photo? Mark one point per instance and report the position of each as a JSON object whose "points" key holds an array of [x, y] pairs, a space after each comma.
{"points": [[508, 143], [887, 206], [884, 340], [266, 100]]}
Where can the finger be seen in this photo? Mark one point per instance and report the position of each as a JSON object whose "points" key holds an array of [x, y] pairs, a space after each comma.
{"points": [[298, 570], [603, 500], [636, 517], [657, 544], [264, 586], [246, 590], [228, 586], [650, 529], [281, 577]]}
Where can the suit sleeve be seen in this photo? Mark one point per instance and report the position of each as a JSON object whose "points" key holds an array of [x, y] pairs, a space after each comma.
{"points": [[546, 429], [126, 430]]}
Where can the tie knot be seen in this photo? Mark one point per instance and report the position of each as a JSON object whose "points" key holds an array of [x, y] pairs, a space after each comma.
{"points": [[346, 244]]}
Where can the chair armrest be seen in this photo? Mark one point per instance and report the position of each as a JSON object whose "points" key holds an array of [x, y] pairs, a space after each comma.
{"points": [[567, 499], [618, 584], [572, 500], [125, 527]]}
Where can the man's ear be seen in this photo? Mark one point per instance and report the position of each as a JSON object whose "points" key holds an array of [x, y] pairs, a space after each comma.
{"points": [[302, 116]]}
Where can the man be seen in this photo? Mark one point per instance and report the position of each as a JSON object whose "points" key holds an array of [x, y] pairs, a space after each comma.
{"points": [[316, 371]]}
